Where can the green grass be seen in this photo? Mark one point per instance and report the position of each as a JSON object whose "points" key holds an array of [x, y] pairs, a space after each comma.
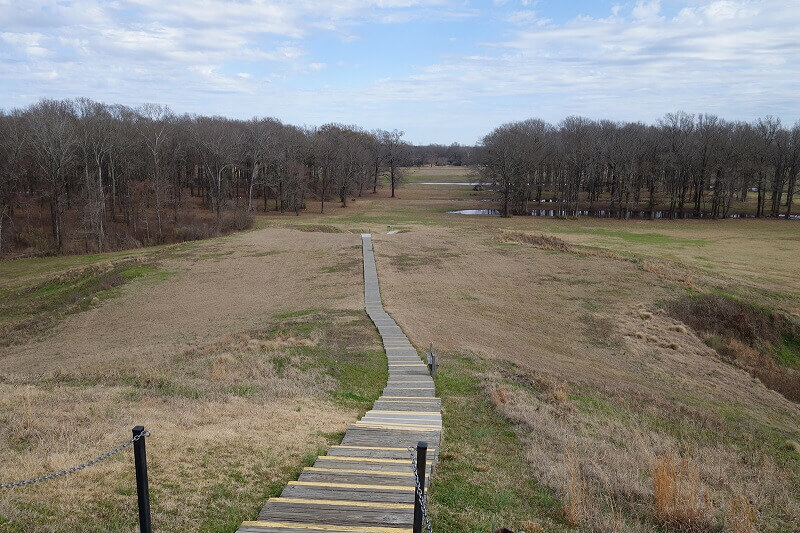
{"points": [[788, 353], [481, 482], [28, 309], [631, 236], [295, 314], [360, 373], [231, 512]]}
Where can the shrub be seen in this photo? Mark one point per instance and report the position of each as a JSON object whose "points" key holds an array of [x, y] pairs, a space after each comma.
{"points": [[193, 232], [36, 238], [239, 220]]}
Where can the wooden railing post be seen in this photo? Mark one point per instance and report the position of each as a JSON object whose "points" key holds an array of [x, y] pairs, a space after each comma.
{"points": [[422, 452], [142, 488]]}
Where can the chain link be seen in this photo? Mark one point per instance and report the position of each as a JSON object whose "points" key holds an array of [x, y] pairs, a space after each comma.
{"points": [[114, 451], [420, 495]]}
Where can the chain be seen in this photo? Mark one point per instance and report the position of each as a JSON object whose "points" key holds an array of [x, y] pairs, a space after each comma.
{"points": [[31, 481], [420, 495]]}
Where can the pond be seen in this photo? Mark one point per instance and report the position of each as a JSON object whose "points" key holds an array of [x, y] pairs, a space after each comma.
{"points": [[605, 213], [471, 184]]}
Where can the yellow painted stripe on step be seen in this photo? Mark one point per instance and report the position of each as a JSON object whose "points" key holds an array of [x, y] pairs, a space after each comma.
{"points": [[400, 419], [408, 421], [410, 397], [344, 503], [387, 412], [389, 448], [363, 459], [324, 527], [406, 427], [350, 486], [367, 447], [415, 403], [390, 425], [322, 469]]}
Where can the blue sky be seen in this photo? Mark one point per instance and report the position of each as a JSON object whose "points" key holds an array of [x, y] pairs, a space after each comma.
{"points": [[440, 70]]}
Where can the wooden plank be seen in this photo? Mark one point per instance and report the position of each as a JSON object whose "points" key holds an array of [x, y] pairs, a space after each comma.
{"points": [[269, 526], [341, 503], [354, 486]]}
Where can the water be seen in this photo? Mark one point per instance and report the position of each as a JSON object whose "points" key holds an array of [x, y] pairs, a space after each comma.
{"points": [[472, 184], [605, 213]]}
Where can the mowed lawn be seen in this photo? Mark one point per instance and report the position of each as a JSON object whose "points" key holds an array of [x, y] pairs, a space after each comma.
{"points": [[569, 392]]}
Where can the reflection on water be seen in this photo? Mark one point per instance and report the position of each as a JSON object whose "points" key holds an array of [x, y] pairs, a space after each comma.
{"points": [[606, 213], [472, 184]]}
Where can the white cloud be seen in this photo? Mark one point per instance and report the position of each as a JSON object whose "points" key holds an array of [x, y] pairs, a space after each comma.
{"points": [[646, 9], [739, 58]]}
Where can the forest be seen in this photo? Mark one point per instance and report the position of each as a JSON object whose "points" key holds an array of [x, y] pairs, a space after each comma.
{"points": [[84, 176], [684, 165], [81, 176]]}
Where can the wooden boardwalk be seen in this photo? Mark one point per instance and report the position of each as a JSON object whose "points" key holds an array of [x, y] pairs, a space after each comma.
{"points": [[366, 484]]}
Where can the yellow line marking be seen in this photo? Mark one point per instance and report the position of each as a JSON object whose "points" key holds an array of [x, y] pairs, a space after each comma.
{"points": [[429, 413], [352, 471], [410, 397], [344, 503], [351, 485], [363, 459], [325, 527], [399, 427], [374, 447], [414, 402], [366, 447], [399, 423], [393, 419], [410, 421]]}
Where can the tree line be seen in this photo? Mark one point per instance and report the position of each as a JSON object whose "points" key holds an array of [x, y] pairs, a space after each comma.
{"points": [[684, 165], [112, 176]]}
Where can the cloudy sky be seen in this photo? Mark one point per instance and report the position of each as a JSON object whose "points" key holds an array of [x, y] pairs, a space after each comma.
{"points": [[441, 70]]}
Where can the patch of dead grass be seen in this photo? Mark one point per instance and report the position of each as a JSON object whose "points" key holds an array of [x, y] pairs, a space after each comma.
{"points": [[680, 498]]}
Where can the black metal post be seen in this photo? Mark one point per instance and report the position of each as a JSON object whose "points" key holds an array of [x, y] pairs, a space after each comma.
{"points": [[142, 488], [422, 452]]}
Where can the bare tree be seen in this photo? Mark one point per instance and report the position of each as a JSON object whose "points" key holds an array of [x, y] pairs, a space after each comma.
{"points": [[53, 140], [154, 129], [12, 144], [793, 167], [395, 152]]}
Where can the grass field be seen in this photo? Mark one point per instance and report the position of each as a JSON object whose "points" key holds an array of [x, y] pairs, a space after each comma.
{"points": [[573, 397]]}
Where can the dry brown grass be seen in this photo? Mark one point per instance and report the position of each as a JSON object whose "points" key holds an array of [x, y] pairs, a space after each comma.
{"points": [[231, 414], [499, 396], [743, 334], [740, 517], [574, 497], [634, 381], [680, 499], [219, 286], [545, 242], [632, 388]]}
